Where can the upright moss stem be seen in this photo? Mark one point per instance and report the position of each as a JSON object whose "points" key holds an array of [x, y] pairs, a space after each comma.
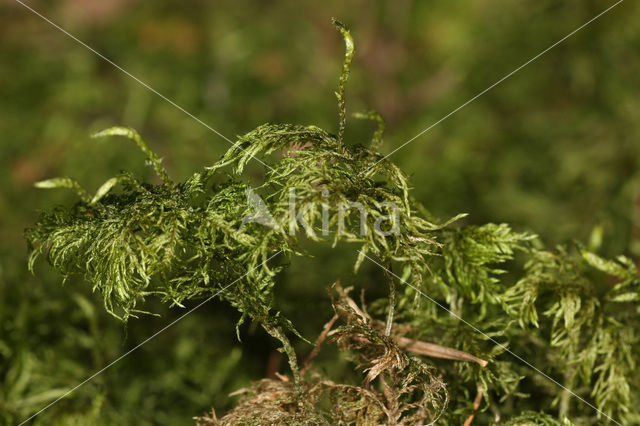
{"points": [[344, 75], [276, 331], [392, 299]]}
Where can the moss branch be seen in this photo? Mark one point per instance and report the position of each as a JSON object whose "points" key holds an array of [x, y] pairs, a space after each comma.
{"points": [[392, 300], [278, 333], [344, 76]]}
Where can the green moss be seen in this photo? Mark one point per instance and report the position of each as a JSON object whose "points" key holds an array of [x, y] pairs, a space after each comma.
{"points": [[179, 241]]}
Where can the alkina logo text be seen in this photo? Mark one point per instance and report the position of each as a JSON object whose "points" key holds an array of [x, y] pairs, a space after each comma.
{"points": [[384, 225]]}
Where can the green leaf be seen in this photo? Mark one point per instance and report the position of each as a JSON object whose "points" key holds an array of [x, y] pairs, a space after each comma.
{"points": [[155, 161], [64, 182], [609, 266]]}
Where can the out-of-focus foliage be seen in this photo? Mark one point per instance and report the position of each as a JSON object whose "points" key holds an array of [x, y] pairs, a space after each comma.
{"points": [[554, 148]]}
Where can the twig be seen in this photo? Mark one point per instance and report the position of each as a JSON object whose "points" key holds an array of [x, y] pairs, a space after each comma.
{"points": [[437, 351], [210, 420], [316, 349], [433, 350]]}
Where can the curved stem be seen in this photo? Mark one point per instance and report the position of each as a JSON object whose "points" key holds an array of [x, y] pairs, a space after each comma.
{"points": [[277, 332], [319, 341]]}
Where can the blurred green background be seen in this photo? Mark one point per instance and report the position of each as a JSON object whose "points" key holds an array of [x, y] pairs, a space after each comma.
{"points": [[554, 149]]}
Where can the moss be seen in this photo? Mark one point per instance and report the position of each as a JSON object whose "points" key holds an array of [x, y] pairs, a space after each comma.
{"points": [[188, 240]]}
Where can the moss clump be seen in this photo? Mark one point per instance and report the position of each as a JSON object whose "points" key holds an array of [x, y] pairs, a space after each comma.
{"points": [[188, 240]]}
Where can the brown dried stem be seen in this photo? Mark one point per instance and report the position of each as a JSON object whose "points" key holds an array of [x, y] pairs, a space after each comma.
{"points": [[476, 406], [316, 349], [432, 350]]}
